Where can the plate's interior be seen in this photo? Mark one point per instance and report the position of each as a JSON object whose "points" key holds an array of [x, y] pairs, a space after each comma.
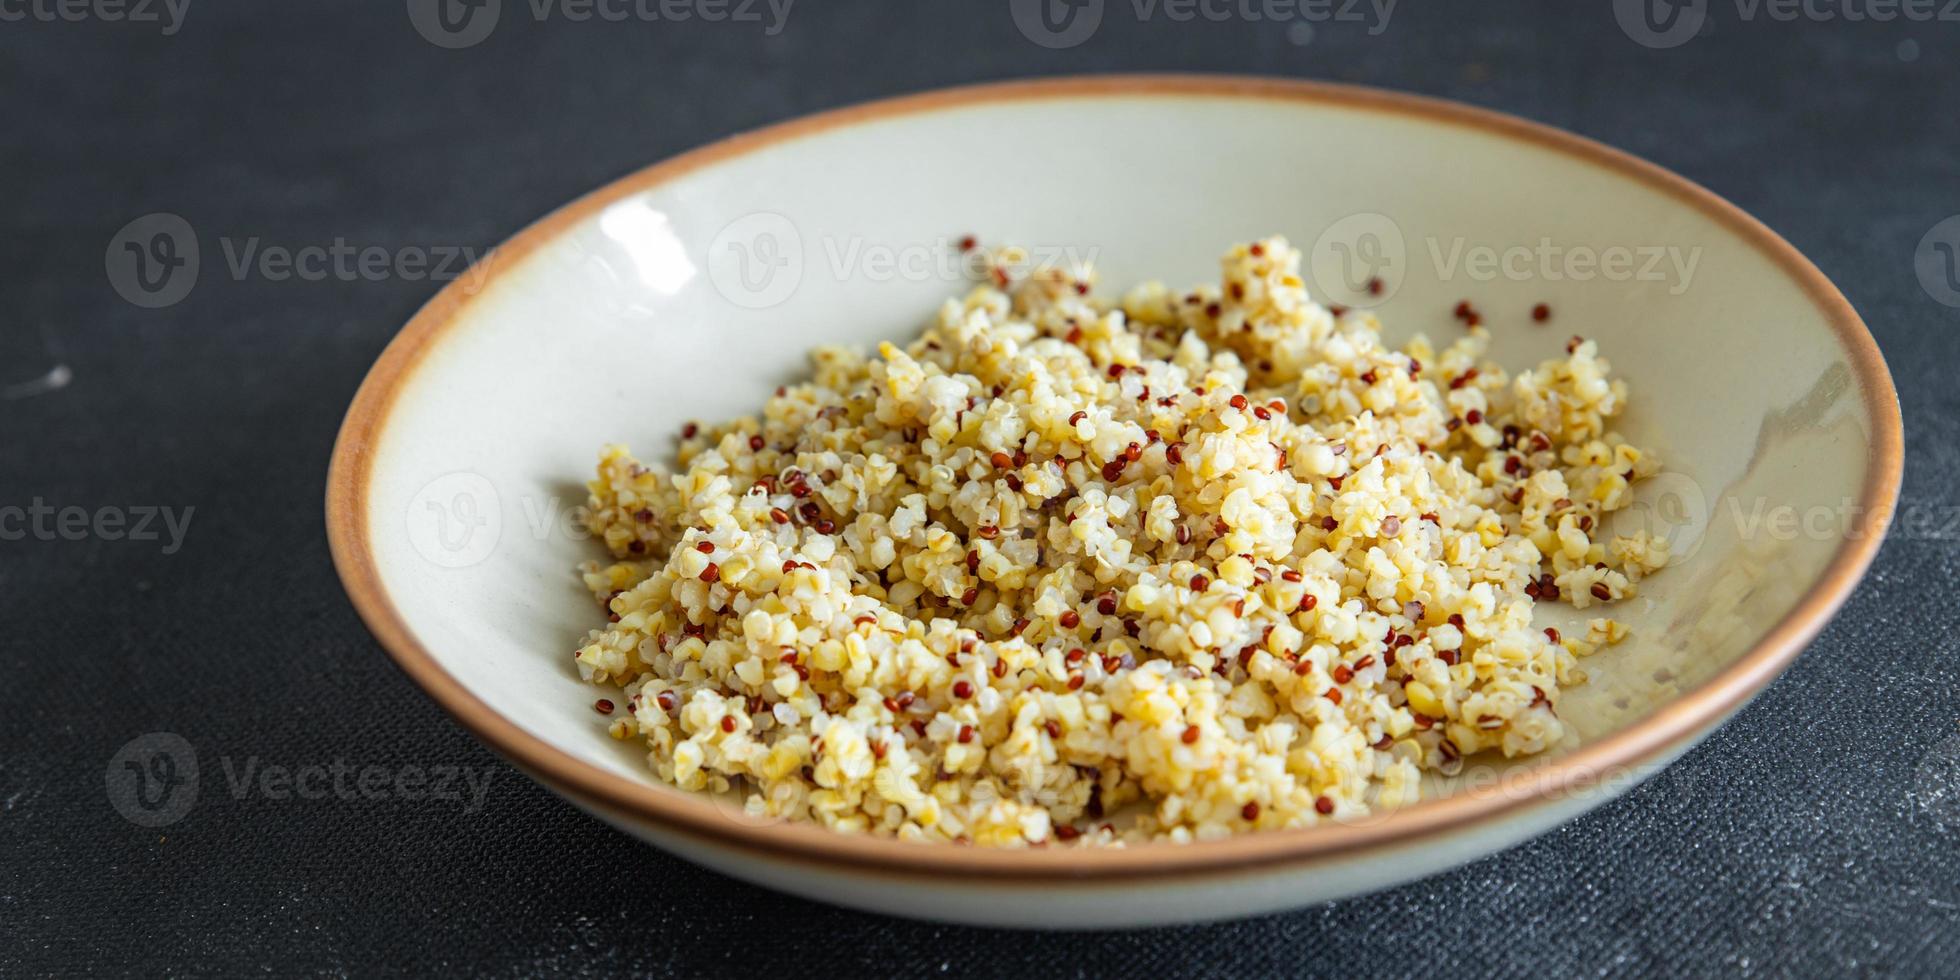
{"points": [[695, 297]]}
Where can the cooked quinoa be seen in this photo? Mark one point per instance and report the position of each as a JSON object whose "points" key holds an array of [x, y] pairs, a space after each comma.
{"points": [[1065, 569]]}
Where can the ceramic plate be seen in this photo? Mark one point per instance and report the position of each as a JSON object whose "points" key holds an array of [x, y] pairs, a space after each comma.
{"points": [[692, 288]]}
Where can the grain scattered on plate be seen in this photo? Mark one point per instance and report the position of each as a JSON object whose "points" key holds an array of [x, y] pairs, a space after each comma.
{"points": [[1178, 566]]}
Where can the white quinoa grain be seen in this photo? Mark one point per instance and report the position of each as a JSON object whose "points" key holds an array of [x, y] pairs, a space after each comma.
{"points": [[1211, 559]]}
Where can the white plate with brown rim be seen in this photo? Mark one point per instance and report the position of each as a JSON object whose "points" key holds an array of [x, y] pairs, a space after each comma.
{"points": [[691, 288]]}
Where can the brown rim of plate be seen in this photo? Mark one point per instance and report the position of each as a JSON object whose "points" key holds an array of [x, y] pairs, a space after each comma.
{"points": [[1618, 756]]}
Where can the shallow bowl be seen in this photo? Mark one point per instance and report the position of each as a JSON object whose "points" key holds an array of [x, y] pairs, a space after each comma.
{"points": [[690, 289]]}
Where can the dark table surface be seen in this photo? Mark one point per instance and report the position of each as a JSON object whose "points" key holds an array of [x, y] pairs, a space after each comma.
{"points": [[1817, 832]]}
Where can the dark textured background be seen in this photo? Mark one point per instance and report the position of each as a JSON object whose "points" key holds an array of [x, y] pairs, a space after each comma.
{"points": [[1815, 833]]}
